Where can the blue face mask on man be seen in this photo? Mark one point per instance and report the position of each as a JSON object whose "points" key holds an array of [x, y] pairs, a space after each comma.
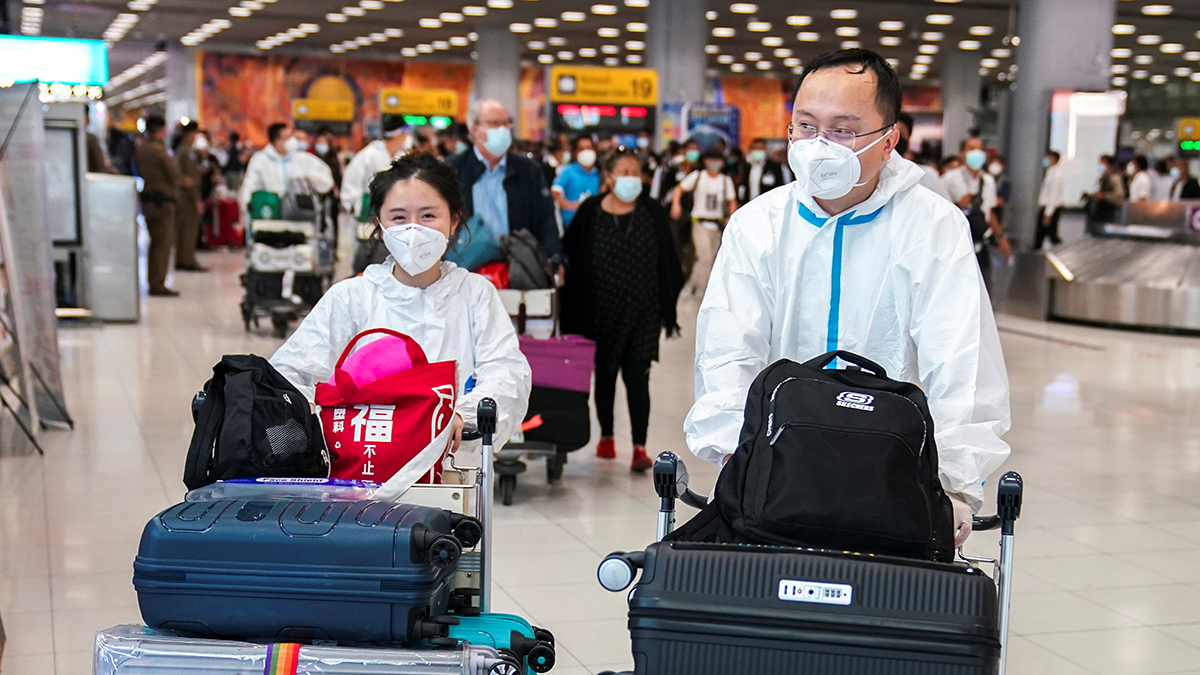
{"points": [[976, 159], [499, 140]]}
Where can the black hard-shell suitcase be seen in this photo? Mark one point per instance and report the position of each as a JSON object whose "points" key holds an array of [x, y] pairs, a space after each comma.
{"points": [[716, 609], [299, 570]]}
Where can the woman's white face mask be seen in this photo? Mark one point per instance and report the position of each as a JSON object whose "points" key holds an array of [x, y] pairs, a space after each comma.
{"points": [[415, 248], [826, 169]]}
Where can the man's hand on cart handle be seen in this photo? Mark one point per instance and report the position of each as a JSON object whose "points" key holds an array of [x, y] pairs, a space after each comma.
{"points": [[457, 433], [962, 519]]}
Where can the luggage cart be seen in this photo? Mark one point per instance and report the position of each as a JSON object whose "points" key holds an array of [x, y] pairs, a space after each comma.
{"points": [[834, 605], [289, 266]]}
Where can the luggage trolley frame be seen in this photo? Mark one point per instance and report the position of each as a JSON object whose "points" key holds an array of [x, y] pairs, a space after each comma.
{"points": [[619, 570], [287, 295]]}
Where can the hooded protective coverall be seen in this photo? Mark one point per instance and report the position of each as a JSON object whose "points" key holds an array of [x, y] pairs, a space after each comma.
{"points": [[459, 317], [356, 180], [270, 171], [894, 279]]}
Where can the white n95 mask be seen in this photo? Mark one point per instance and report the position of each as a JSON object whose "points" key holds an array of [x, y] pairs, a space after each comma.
{"points": [[826, 169], [415, 248]]}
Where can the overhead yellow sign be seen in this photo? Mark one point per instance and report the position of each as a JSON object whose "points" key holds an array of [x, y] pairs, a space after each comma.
{"points": [[427, 102], [1189, 129], [615, 86], [322, 111]]}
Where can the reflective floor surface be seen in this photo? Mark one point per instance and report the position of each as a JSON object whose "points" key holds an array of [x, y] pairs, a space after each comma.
{"points": [[1106, 434]]}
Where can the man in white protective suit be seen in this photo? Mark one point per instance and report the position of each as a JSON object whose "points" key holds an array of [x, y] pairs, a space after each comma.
{"points": [[285, 159], [376, 157], [855, 255]]}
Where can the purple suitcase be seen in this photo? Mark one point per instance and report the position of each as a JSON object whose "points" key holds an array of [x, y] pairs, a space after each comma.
{"points": [[564, 363]]}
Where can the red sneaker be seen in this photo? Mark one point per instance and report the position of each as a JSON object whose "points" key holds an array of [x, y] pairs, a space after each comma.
{"points": [[641, 461], [606, 449]]}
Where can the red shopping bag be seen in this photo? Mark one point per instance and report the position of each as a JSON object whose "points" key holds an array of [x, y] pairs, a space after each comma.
{"points": [[495, 272], [394, 430]]}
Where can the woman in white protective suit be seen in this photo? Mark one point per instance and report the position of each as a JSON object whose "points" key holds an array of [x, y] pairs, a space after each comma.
{"points": [[451, 313], [855, 255]]}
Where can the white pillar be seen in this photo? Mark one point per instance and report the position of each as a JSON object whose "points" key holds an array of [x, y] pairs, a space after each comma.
{"points": [[182, 99], [498, 68], [961, 85], [675, 48]]}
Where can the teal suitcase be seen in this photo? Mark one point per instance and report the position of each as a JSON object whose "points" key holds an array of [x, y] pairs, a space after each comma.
{"points": [[506, 633]]}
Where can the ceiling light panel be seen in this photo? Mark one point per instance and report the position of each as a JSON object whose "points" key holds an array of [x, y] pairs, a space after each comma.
{"points": [[844, 14], [474, 10], [557, 41], [604, 10], [969, 45], [933, 36], [890, 41], [545, 22], [846, 31], [743, 8], [981, 31], [1156, 10], [1124, 29], [891, 25], [772, 41], [799, 20], [723, 32], [939, 19], [574, 17], [758, 26], [808, 36], [636, 27], [608, 32], [1149, 39]]}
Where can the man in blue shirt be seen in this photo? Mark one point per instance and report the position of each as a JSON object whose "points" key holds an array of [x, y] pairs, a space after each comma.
{"points": [[579, 179]]}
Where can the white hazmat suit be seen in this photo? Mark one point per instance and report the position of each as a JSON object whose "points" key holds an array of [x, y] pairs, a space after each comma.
{"points": [[894, 279], [356, 179], [459, 317], [270, 171]]}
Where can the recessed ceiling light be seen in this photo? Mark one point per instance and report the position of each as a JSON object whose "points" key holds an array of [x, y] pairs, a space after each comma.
{"points": [[763, 65], [712, 49], [1121, 53], [939, 19], [252, 5], [981, 31], [791, 62], [545, 22], [520, 28], [354, 11], [723, 32], [844, 14], [1172, 48], [1182, 71], [459, 41], [1016, 40], [1143, 59], [545, 58], [808, 36], [846, 31], [990, 63], [890, 41], [933, 36], [574, 16], [363, 40], [1156, 10], [608, 33], [891, 25], [239, 12], [536, 45], [637, 3], [472, 36], [1121, 82], [371, 4], [797, 70], [636, 27], [633, 58], [335, 17], [500, 4], [1119, 69], [1158, 79], [587, 52], [337, 49], [758, 26], [743, 8], [782, 53], [557, 41], [409, 52], [441, 45], [738, 67], [920, 67], [710, 15], [851, 44], [969, 45], [474, 10], [1149, 39], [916, 76], [565, 56], [612, 61], [1002, 53], [923, 58], [1124, 29], [894, 63], [753, 56], [799, 20], [725, 58], [772, 41], [1194, 78], [313, 28], [430, 23], [1192, 56], [635, 45], [425, 48], [297, 33], [450, 17], [927, 49], [1140, 74], [604, 10], [610, 49]]}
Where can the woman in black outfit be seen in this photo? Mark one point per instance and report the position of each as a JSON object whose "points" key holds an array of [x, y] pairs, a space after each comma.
{"points": [[622, 285]]}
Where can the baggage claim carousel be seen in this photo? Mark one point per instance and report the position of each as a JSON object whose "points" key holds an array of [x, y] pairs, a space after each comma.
{"points": [[1143, 272]]}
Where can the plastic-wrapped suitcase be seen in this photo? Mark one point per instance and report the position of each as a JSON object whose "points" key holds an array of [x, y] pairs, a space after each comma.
{"points": [[297, 570], [135, 650]]}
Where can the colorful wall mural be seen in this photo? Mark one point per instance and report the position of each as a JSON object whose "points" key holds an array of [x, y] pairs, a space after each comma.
{"points": [[765, 104], [248, 93]]}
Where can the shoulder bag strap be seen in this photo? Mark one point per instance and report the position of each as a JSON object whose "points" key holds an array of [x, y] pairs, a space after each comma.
{"points": [[198, 468]]}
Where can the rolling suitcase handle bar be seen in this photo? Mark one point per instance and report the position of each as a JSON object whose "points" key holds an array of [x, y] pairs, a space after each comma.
{"points": [[1008, 510], [485, 420]]}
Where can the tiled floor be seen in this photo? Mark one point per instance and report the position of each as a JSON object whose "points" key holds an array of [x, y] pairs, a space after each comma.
{"points": [[1105, 433]]}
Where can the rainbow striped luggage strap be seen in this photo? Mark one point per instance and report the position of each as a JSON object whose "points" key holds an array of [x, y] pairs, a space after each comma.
{"points": [[282, 659]]}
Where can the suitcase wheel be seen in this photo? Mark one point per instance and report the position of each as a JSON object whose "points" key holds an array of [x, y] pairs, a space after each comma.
{"points": [[505, 668], [540, 658], [469, 532], [444, 552], [554, 466], [508, 485]]}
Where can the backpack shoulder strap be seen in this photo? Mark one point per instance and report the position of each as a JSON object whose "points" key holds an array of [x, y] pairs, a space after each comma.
{"points": [[200, 457]]}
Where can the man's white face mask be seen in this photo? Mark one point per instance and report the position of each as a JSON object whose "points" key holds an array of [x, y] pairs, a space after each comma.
{"points": [[826, 169], [416, 248]]}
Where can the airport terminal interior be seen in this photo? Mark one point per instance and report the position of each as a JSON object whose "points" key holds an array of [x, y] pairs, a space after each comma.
{"points": [[1068, 129]]}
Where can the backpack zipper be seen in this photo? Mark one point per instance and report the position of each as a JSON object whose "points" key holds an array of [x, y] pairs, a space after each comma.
{"points": [[830, 427], [771, 412]]}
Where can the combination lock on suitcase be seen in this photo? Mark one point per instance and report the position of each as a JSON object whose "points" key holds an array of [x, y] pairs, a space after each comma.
{"points": [[299, 570]]}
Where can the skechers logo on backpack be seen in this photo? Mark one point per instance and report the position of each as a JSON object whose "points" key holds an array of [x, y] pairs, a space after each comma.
{"points": [[855, 400]]}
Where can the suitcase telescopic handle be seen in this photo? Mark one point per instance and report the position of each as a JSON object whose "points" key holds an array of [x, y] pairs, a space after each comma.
{"points": [[1008, 505], [485, 423]]}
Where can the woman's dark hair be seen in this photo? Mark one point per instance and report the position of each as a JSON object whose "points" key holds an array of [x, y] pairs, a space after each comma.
{"points": [[611, 159], [888, 94], [579, 139], [1141, 162], [428, 169]]}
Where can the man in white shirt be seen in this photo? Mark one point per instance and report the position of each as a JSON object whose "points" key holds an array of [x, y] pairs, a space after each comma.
{"points": [[974, 191], [714, 201], [285, 159], [1050, 200], [1140, 185]]}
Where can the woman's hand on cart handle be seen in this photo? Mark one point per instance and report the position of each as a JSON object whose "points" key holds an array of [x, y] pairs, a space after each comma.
{"points": [[457, 432]]}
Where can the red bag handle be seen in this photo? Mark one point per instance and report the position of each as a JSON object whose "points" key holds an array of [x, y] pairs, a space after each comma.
{"points": [[415, 353]]}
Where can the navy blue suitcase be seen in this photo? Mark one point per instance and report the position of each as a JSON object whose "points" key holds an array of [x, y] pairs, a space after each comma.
{"points": [[300, 570]]}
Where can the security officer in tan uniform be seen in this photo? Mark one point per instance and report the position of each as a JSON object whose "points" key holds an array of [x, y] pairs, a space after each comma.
{"points": [[161, 180], [189, 208]]}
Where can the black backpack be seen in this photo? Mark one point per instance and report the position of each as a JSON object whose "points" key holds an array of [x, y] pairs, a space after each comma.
{"points": [[835, 459], [252, 423], [529, 268]]}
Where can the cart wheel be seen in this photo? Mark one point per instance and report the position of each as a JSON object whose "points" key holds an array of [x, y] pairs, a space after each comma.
{"points": [[280, 327], [554, 467], [508, 485], [505, 668]]}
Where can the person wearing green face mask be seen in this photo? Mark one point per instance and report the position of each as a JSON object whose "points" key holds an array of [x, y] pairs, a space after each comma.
{"points": [[760, 174]]}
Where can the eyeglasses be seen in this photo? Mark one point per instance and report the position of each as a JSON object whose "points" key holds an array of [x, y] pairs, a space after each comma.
{"points": [[846, 137]]}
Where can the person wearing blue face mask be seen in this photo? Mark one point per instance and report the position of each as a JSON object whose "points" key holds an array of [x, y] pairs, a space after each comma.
{"points": [[506, 190], [578, 180], [974, 191], [621, 290]]}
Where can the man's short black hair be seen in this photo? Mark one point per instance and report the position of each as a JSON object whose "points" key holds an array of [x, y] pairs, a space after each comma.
{"points": [[1141, 162], [888, 94], [154, 123], [713, 153], [760, 139], [275, 131]]}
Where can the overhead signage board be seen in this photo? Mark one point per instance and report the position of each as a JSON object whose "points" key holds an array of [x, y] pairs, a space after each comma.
{"points": [[613, 86], [322, 111], [1188, 129], [53, 61], [422, 102]]}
